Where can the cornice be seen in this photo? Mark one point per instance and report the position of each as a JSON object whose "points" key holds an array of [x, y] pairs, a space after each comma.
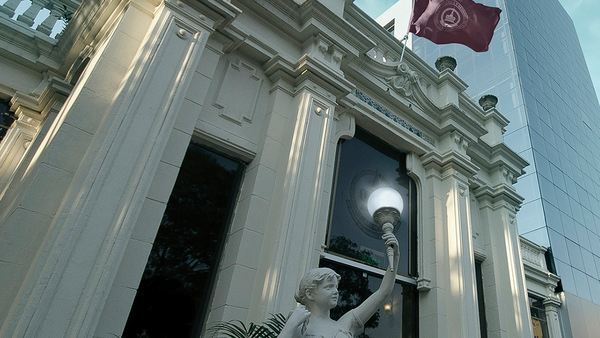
{"points": [[491, 157], [498, 196], [213, 14], [536, 274], [391, 116], [449, 76], [222, 12], [28, 47], [40, 103], [407, 88], [303, 21], [453, 117], [308, 68], [495, 115], [449, 160]]}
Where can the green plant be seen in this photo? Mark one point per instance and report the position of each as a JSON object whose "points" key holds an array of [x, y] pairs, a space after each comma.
{"points": [[236, 329]]}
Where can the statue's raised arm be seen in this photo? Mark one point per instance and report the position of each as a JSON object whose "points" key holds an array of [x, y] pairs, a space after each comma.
{"points": [[318, 294]]}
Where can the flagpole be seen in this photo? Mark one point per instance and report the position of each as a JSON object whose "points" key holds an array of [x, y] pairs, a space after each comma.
{"points": [[403, 41]]}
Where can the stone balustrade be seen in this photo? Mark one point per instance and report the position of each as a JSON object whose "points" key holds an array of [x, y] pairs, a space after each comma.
{"points": [[533, 254], [45, 16]]}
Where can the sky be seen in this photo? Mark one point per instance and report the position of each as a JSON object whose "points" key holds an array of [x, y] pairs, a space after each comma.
{"points": [[585, 15]]}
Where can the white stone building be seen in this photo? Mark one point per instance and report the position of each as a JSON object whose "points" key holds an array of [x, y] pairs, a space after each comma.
{"points": [[284, 93]]}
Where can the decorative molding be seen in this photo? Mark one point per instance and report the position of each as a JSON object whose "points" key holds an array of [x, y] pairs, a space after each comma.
{"points": [[363, 97], [345, 126], [509, 176], [462, 143], [423, 284], [404, 81], [182, 33], [238, 93], [531, 254], [325, 50]]}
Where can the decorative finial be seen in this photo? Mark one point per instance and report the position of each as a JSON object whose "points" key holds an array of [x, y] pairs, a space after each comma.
{"points": [[445, 62], [488, 102]]}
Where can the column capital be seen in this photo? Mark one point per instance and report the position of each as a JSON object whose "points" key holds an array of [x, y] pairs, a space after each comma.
{"points": [[450, 163], [552, 304], [308, 68]]}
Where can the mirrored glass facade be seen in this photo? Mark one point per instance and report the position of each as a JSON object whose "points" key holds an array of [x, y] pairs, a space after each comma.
{"points": [[536, 68]]}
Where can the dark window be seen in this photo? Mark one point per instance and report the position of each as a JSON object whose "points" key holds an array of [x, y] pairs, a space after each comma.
{"points": [[480, 300], [538, 318], [365, 164], [174, 292], [6, 119], [354, 246]]}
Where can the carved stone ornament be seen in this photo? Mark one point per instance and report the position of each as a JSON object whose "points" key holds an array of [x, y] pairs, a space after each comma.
{"points": [[445, 62], [423, 284], [531, 255], [404, 81], [462, 144], [509, 176]]}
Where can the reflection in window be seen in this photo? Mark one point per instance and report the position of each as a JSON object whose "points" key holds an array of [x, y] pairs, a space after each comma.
{"points": [[173, 295], [365, 164], [396, 318], [6, 119], [538, 318], [480, 300]]}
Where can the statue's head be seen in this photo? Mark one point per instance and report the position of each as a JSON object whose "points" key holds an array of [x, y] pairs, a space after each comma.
{"points": [[312, 280]]}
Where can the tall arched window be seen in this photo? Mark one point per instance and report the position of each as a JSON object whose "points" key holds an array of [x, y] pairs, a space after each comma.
{"points": [[354, 245]]}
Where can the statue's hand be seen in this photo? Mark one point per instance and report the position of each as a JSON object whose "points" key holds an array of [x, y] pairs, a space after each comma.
{"points": [[391, 240], [299, 317]]}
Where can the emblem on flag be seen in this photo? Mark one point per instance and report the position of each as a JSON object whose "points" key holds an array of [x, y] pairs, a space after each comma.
{"points": [[450, 15]]}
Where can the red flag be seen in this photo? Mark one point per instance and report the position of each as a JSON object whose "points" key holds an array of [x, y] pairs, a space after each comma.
{"points": [[455, 21]]}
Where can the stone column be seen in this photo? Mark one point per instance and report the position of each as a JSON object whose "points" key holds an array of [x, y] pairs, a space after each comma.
{"points": [[288, 184], [89, 177], [448, 256], [551, 306], [305, 178], [505, 291]]}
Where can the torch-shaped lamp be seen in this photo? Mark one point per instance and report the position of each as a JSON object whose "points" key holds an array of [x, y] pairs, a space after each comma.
{"points": [[385, 206]]}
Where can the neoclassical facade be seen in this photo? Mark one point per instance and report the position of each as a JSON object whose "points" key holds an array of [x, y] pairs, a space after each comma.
{"points": [[304, 107]]}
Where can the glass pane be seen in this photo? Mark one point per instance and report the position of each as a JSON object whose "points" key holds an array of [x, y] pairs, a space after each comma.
{"points": [[396, 318], [480, 300], [173, 294], [365, 164], [6, 118], [538, 318]]}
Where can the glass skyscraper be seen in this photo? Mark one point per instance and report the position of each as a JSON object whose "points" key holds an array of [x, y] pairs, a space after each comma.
{"points": [[536, 68]]}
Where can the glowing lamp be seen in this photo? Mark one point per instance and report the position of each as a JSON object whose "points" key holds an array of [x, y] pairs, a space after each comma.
{"points": [[385, 206]]}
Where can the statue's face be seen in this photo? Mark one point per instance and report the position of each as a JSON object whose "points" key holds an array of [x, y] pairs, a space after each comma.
{"points": [[326, 293]]}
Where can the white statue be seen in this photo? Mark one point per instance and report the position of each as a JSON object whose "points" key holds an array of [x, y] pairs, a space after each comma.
{"points": [[318, 294]]}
